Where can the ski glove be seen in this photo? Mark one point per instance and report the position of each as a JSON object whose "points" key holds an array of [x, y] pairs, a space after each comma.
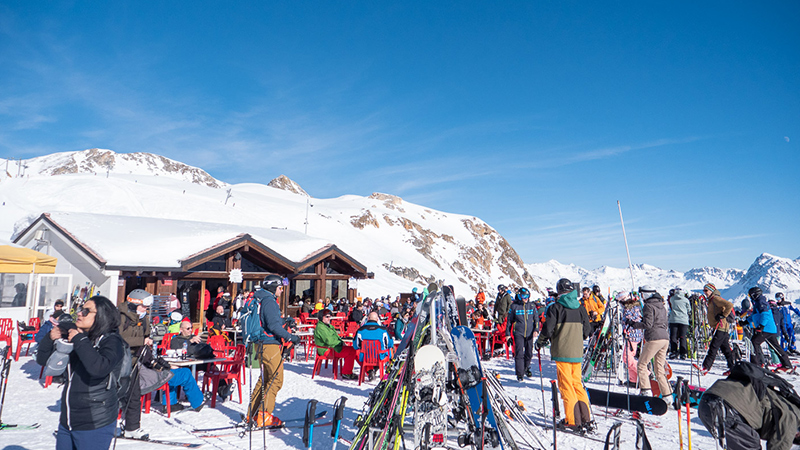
{"points": [[540, 343]]}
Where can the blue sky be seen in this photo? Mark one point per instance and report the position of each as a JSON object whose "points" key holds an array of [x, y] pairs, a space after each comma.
{"points": [[534, 116]]}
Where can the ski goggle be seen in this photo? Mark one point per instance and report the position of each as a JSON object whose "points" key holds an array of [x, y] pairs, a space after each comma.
{"points": [[524, 295]]}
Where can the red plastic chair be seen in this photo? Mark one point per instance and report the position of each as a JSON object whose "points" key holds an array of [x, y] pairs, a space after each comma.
{"points": [[341, 314], [227, 371], [6, 329], [338, 325], [220, 346], [26, 337], [146, 399], [371, 350], [329, 355], [165, 342], [499, 337], [304, 317], [351, 328]]}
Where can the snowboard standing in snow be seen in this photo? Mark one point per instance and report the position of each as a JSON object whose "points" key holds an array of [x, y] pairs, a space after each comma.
{"points": [[430, 410], [640, 403], [471, 378]]}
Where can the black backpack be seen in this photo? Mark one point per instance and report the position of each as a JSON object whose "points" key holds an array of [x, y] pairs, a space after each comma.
{"points": [[762, 379]]}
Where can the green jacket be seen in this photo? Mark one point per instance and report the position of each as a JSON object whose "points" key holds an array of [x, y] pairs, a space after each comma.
{"points": [[773, 417], [326, 336], [566, 325]]}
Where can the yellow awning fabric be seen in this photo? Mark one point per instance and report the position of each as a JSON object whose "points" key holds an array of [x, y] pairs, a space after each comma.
{"points": [[25, 260]]}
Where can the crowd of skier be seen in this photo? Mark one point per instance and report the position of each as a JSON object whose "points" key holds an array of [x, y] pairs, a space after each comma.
{"points": [[576, 324]]}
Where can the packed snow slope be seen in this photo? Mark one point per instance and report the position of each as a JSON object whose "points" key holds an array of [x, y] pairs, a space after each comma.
{"points": [[404, 244]]}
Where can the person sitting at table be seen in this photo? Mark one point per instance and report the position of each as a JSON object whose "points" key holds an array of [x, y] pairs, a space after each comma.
{"points": [[357, 315], [480, 316], [182, 376], [373, 331], [219, 322], [326, 336]]}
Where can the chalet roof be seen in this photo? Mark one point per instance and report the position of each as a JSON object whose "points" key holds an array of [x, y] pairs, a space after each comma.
{"points": [[121, 242]]}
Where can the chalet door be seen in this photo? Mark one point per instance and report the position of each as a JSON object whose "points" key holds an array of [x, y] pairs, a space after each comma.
{"points": [[50, 288]]}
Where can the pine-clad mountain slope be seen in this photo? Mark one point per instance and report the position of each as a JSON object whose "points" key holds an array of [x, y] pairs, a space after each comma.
{"points": [[404, 244]]}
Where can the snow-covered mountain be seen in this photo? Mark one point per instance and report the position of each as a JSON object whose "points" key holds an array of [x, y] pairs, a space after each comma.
{"points": [[102, 162], [771, 273], [404, 244]]}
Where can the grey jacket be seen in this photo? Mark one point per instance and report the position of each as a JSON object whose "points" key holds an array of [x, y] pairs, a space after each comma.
{"points": [[654, 319], [679, 310]]}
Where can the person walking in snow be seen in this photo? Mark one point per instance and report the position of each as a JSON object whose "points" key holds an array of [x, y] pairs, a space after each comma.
{"points": [[764, 329], [523, 325], [262, 399], [718, 312], [566, 325], [656, 341], [679, 309]]}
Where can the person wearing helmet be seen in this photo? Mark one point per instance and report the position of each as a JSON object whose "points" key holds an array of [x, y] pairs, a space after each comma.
{"points": [[765, 329], [566, 325], [717, 315], [262, 399], [501, 305], [522, 324], [134, 328]]}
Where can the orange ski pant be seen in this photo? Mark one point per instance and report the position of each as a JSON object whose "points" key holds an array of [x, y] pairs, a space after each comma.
{"points": [[571, 387]]}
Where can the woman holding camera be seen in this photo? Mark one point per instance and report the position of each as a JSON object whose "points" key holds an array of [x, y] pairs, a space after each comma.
{"points": [[89, 403]]}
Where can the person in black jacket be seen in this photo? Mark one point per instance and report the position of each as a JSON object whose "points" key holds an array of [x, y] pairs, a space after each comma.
{"points": [[89, 403], [523, 323]]}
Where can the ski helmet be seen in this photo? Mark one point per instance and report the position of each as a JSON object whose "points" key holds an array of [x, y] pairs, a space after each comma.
{"points": [[596, 289], [524, 293], [647, 292], [671, 292], [779, 296], [564, 285], [502, 288], [140, 297], [271, 283], [754, 292]]}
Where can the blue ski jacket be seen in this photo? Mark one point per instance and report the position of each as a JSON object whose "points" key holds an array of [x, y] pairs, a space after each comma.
{"points": [[271, 318], [762, 316], [373, 331], [523, 319]]}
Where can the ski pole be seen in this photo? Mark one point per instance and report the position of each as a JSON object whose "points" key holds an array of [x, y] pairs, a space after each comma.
{"points": [[677, 405], [5, 369], [338, 413], [554, 392], [308, 429], [541, 383], [685, 394]]}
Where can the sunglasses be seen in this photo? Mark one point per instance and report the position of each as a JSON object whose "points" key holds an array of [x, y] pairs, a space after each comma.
{"points": [[85, 311]]}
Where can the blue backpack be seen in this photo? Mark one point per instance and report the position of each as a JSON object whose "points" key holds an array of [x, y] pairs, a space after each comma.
{"points": [[250, 318]]}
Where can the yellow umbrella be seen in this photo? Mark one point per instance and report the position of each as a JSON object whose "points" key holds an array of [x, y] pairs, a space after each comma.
{"points": [[24, 260]]}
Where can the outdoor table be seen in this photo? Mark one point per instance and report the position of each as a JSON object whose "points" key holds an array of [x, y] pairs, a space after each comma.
{"points": [[481, 340], [193, 362], [234, 330]]}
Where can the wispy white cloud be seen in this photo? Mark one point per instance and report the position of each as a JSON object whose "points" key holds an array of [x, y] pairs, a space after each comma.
{"points": [[700, 241]]}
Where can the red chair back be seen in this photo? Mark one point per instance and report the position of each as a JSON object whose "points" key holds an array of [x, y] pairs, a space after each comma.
{"points": [[303, 317], [371, 349], [35, 322], [338, 325], [166, 341], [341, 314], [220, 346], [352, 327], [6, 328]]}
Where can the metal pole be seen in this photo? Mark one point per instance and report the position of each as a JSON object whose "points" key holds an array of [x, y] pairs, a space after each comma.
{"points": [[624, 236]]}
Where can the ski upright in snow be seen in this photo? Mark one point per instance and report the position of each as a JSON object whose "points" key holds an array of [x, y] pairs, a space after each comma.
{"points": [[429, 396], [471, 379]]}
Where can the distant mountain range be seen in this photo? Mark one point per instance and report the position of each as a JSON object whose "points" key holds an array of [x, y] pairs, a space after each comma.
{"points": [[771, 273], [404, 244]]}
